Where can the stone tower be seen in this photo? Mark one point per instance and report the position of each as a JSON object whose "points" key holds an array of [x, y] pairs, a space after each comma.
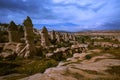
{"points": [[59, 37], [21, 31], [29, 37], [53, 35], [44, 37], [13, 32], [66, 35]]}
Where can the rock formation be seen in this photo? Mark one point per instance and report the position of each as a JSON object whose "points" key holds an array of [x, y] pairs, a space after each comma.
{"points": [[66, 37], [29, 50], [44, 37], [21, 31], [73, 37], [13, 32], [28, 27], [53, 35], [58, 37]]}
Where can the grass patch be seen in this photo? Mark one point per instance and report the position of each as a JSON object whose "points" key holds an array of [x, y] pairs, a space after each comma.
{"points": [[26, 66], [115, 52], [114, 70], [36, 66], [7, 68]]}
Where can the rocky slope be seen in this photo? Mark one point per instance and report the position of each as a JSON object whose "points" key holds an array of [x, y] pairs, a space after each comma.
{"points": [[80, 68]]}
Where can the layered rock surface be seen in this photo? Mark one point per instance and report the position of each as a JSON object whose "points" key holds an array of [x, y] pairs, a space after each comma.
{"points": [[78, 68]]}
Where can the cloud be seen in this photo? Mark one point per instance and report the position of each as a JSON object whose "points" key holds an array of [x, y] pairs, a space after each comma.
{"points": [[17, 6], [63, 14], [23, 8], [115, 25]]}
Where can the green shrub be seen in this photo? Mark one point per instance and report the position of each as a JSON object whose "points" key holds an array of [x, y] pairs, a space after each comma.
{"points": [[53, 41], [88, 57]]}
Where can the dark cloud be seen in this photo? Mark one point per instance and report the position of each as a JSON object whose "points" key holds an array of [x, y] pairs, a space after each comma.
{"points": [[59, 26], [63, 14], [25, 8], [18, 6], [115, 25], [96, 9]]}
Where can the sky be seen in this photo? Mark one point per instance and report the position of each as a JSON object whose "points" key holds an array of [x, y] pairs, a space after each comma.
{"points": [[64, 15]]}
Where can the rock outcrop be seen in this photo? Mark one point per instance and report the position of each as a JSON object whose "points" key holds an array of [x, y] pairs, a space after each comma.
{"points": [[78, 68], [21, 32], [66, 35], [29, 50], [53, 35], [13, 32], [44, 37], [58, 37]]}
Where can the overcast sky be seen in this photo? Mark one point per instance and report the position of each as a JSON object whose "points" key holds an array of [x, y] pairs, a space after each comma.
{"points": [[70, 15]]}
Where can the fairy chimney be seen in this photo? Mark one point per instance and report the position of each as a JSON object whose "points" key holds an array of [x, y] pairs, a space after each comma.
{"points": [[66, 37], [44, 37], [58, 37], [53, 35], [21, 31], [73, 38], [29, 37], [13, 32]]}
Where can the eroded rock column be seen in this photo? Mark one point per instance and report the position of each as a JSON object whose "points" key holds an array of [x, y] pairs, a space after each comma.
{"points": [[29, 50], [13, 32], [44, 37], [53, 35], [58, 37]]}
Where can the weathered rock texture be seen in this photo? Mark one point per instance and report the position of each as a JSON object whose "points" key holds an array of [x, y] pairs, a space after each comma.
{"points": [[58, 37], [53, 35], [13, 32], [78, 68], [21, 31], [44, 37], [29, 50], [66, 37]]}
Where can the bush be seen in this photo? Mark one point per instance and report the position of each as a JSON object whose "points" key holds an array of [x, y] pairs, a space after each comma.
{"points": [[88, 57], [53, 41], [64, 44]]}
